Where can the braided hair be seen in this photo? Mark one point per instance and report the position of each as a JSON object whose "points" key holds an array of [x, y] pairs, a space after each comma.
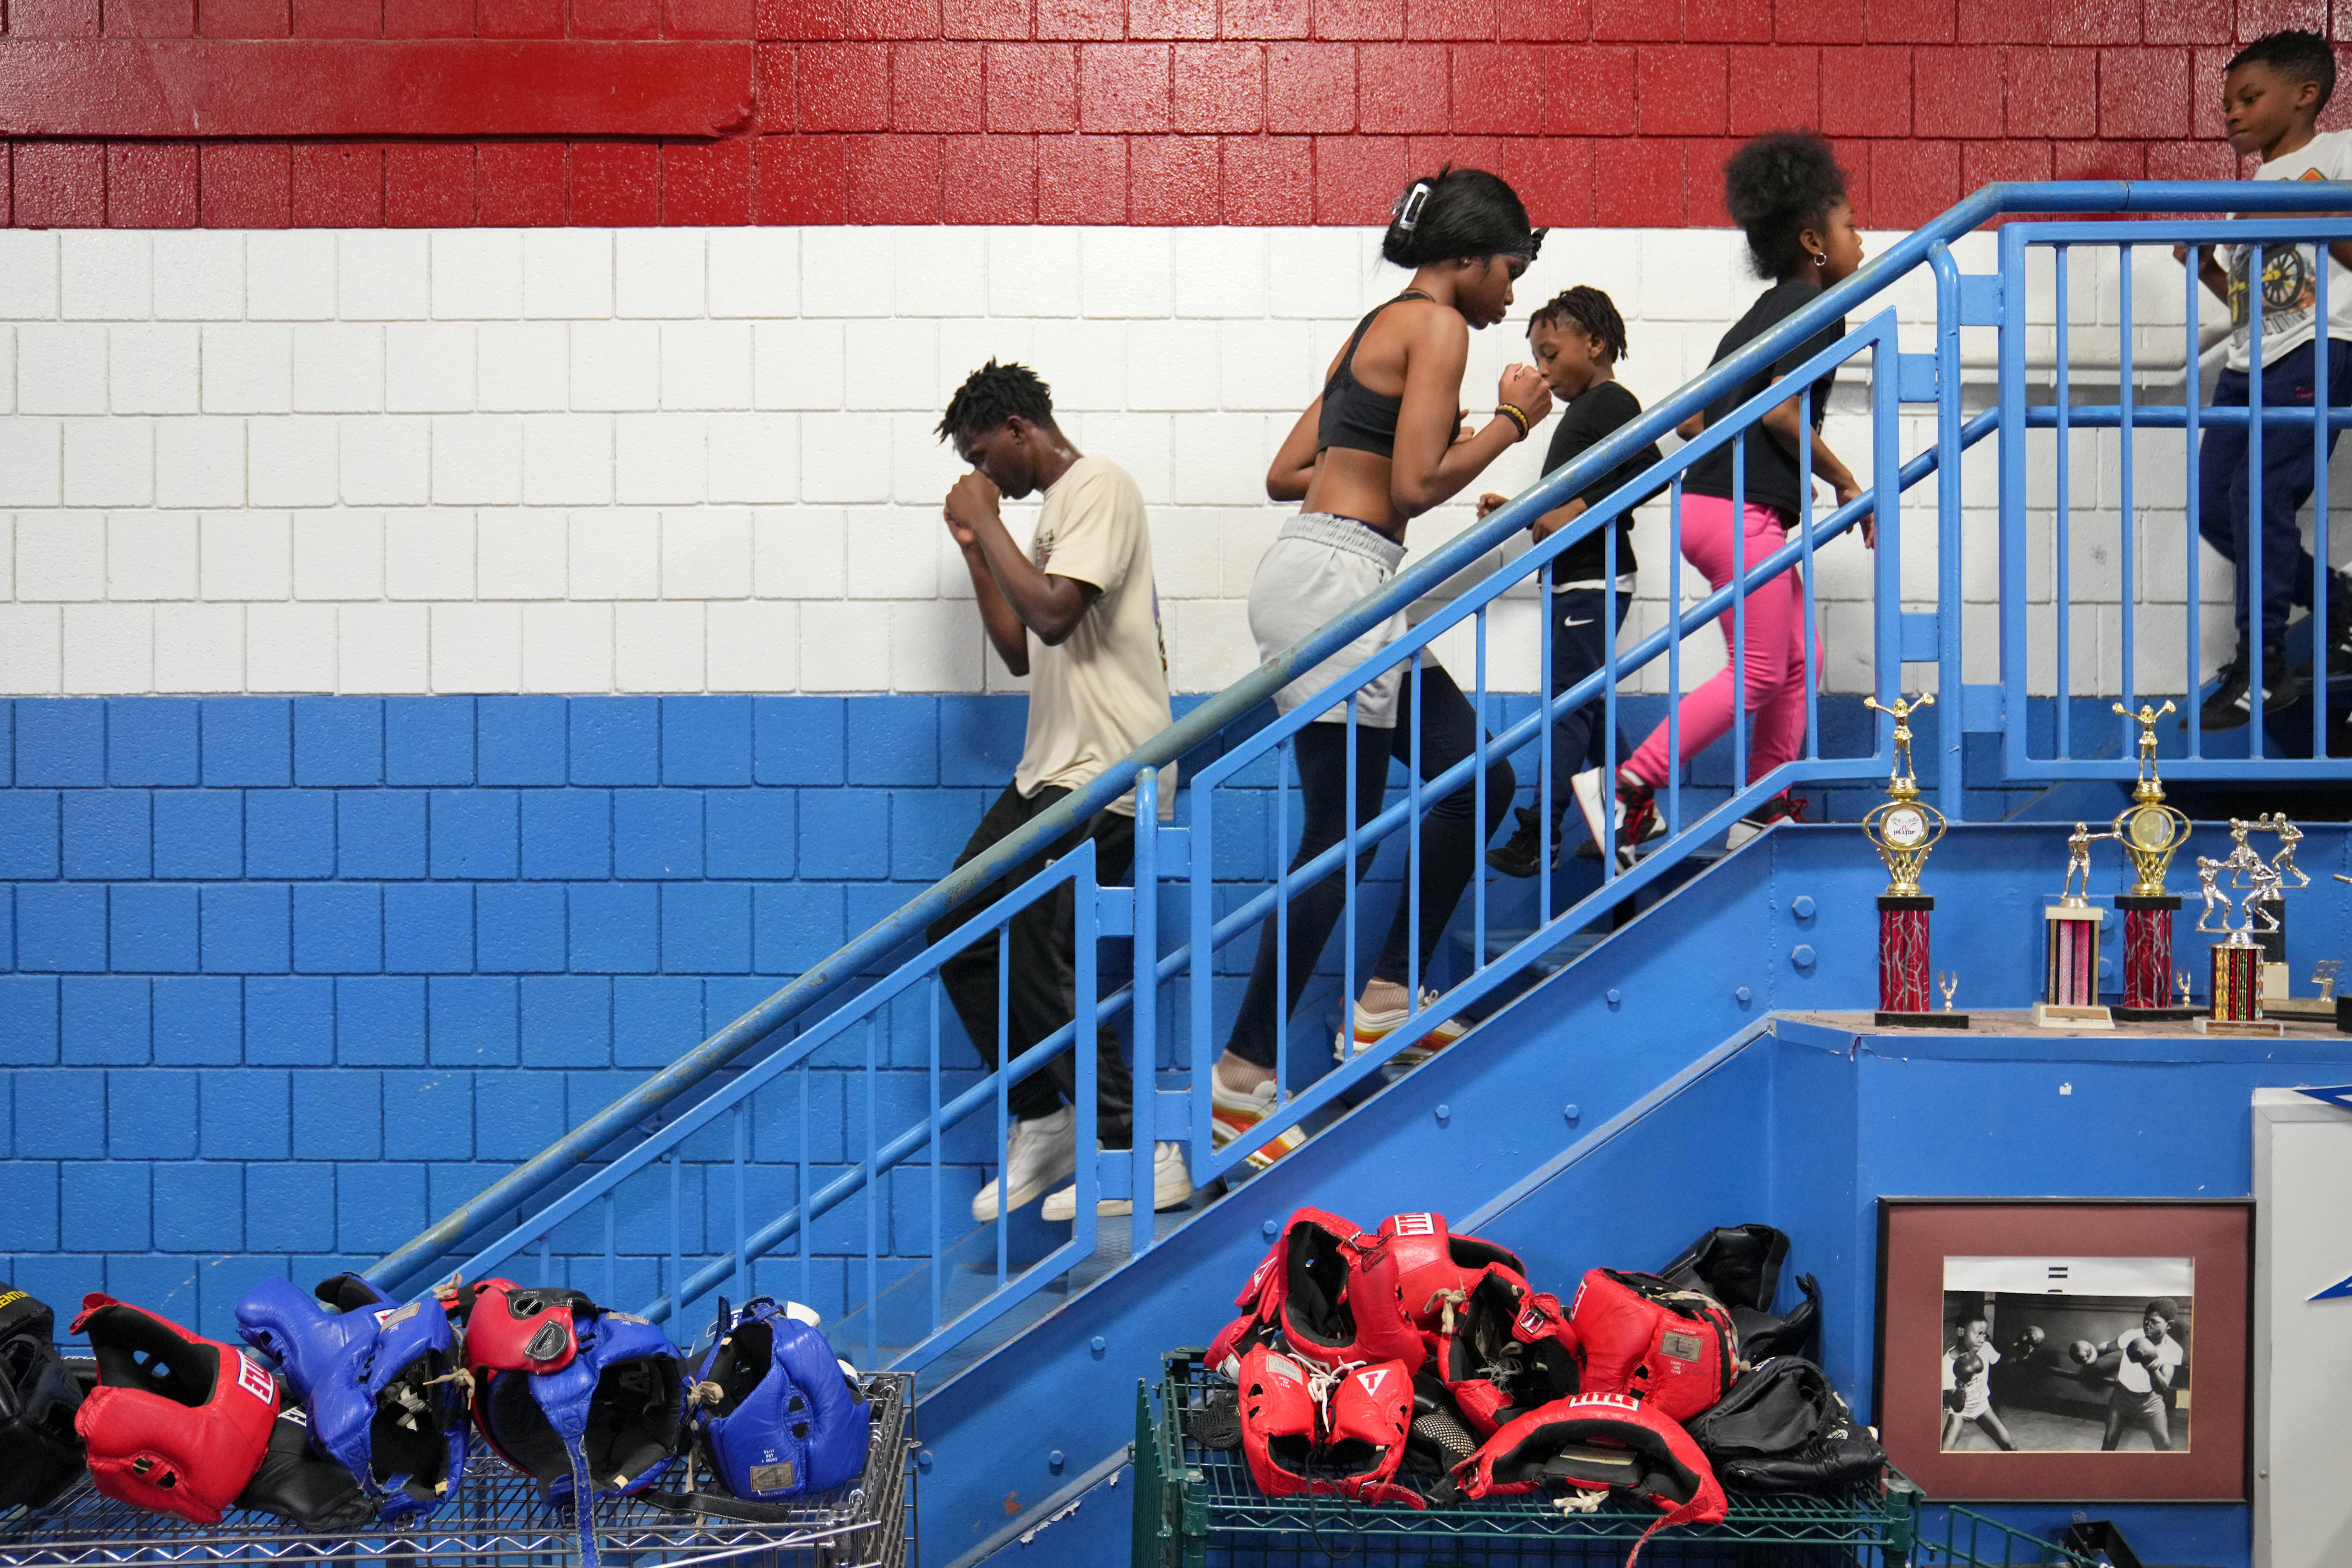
{"points": [[1590, 310]]}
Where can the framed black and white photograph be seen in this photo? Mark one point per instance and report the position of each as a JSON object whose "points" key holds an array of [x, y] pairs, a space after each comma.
{"points": [[2062, 1348], [2065, 1355]]}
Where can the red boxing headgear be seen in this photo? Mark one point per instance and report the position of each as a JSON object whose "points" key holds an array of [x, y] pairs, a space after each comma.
{"points": [[1644, 1336], [178, 1423], [1595, 1441]]}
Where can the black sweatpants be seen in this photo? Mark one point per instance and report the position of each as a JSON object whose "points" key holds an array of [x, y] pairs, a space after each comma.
{"points": [[1042, 968], [1450, 841], [1579, 645]]}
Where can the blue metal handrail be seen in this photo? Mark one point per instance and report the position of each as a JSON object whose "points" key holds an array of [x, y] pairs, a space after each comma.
{"points": [[1929, 245]]}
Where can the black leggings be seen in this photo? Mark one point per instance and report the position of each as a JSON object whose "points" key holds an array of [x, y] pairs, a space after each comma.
{"points": [[1449, 846]]}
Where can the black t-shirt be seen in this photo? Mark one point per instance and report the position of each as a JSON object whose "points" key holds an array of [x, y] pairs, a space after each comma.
{"points": [[1771, 471], [1599, 413]]}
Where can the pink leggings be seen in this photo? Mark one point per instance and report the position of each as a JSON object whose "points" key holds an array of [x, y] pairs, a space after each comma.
{"points": [[1776, 647]]}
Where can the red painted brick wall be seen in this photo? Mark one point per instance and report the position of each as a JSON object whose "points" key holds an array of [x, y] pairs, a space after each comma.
{"points": [[1612, 112]]}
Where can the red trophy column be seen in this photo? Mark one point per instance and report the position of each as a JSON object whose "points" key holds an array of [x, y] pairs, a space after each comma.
{"points": [[2148, 975], [1903, 970]]}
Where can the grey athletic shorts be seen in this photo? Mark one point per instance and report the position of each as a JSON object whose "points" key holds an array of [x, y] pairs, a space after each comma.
{"points": [[1319, 565]]}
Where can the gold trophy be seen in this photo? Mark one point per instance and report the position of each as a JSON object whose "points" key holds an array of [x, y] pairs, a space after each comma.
{"points": [[1903, 828], [2151, 833]]}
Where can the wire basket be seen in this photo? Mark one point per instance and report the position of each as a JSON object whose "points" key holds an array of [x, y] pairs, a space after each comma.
{"points": [[496, 1521], [1198, 1507]]}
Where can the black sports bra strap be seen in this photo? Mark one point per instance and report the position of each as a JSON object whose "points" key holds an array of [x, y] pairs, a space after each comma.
{"points": [[1347, 365]]}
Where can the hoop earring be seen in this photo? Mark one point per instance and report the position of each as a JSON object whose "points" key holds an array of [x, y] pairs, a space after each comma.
{"points": [[1820, 258]]}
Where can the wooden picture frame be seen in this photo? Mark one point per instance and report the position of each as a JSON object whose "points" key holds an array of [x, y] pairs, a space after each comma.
{"points": [[1958, 1275]]}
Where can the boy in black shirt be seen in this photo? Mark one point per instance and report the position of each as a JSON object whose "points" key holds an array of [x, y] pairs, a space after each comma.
{"points": [[1578, 339]]}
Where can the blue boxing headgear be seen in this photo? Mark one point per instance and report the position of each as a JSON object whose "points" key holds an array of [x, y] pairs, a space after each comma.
{"points": [[380, 1382], [780, 1416]]}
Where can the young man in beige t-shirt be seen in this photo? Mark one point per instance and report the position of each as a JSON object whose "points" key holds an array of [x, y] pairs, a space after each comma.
{"points": [[1079, 615]]}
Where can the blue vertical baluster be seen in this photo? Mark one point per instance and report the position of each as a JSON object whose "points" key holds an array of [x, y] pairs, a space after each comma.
{"points": [[1805, 554], [1201, 1056], [677, 1242], [1284, 762], [1411, 845], [2193, 395], [2322, 264], [1673, 785], [1478, 816], [802, 1241], [1003, 1104], [612, 1286], [1608, 758], [939, 1252], [2062, 607], [743, 1232], [2250, 585], [1739, 640], [1144, 1069], [1951, 534], [1347, 909], [546, 1262], [873, 1160], [2127, 534], [1545, 781]]}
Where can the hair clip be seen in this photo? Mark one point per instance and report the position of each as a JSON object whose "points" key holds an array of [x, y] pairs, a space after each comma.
{"points": [[1409, 210]]}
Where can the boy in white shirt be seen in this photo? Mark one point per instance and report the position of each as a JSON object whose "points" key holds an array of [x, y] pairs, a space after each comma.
{"points": [[2272, 95], [2144, 1376], [1078, 614]]}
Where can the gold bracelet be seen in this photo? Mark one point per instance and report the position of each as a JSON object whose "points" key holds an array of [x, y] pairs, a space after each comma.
{"points": [[1515, 415]]}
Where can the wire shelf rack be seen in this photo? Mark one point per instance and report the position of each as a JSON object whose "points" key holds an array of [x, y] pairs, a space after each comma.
{"points": [[1198, 1507], [498, 1521]]}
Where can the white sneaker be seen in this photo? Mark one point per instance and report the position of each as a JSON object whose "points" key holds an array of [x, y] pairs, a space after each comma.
{"points": [[1172, 1186], [1371, 1028], [1038, 1153]]}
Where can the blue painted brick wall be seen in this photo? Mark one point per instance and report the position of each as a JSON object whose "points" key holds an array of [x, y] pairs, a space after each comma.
{"points": [[281, 978]]}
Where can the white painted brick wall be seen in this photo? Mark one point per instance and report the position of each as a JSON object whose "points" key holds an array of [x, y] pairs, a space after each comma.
{"points": [[685, 460]]}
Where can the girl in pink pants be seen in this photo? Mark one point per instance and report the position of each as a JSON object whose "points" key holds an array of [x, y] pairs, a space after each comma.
{"points": [[1789, 193], [1776, 645]]}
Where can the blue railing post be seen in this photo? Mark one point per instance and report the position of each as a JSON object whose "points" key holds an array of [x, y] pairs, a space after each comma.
{"points": [[1143, 1012], [2016, 612], [1950, 536]]}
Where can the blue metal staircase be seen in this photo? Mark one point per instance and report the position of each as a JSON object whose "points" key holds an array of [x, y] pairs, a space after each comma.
{"points": [[837, 1128]]}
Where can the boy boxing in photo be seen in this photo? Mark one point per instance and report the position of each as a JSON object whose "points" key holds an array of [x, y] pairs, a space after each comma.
{"points": [[1967, 1386], [2149, 1359]]}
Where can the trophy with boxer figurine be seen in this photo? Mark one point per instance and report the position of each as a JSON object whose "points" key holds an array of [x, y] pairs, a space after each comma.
{"points": [[2070, 982], [2237, 999]]}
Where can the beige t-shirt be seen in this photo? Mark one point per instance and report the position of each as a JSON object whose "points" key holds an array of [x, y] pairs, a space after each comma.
{"points": [[1104, 692]]}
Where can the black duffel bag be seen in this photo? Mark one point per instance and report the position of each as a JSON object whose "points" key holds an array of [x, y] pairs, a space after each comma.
{"points": [[1739, 1266], [1783, 1428]]}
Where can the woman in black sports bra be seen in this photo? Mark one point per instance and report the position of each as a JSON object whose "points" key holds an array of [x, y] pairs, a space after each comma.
{"points": [[1378, 447]]}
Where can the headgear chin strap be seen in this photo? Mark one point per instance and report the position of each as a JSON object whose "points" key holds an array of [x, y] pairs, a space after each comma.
{"points": [[380, 1382], [178, 1423], [779, 1414], [39, 1450], [589, 1403]]}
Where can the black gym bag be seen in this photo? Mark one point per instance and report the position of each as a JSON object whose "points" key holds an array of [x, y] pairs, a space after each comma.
{"points": [[1783, 1428], [1739, 1266]]}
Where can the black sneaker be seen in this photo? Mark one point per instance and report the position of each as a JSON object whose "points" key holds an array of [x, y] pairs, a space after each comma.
{"points": [[1782, 808], [1517, 857], [2229, 706]]}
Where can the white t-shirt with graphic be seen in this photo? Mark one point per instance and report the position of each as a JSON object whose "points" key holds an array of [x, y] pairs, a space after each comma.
{"points": [[2290, 289], [1104, 690]]}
